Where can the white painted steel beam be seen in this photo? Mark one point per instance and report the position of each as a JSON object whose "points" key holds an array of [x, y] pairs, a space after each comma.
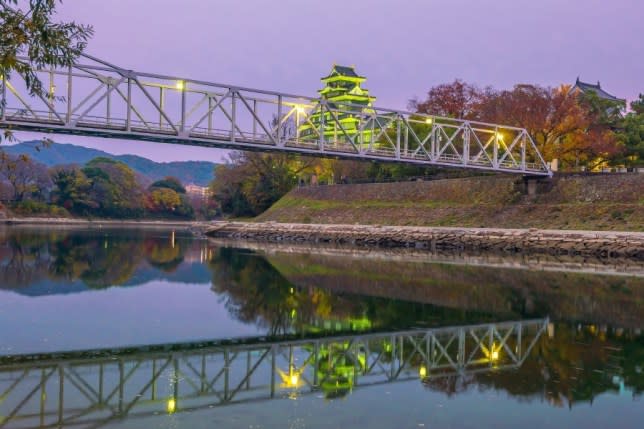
{"points": [[167, 109]]}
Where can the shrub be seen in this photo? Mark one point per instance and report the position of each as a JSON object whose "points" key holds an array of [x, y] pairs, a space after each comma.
{"points": [[30, 207]]}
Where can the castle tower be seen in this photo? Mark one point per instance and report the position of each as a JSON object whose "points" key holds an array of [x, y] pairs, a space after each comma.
{"points": [[343, 91]]}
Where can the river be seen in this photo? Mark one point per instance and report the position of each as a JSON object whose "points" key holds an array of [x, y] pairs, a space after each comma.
{"points": [[149, 327]]}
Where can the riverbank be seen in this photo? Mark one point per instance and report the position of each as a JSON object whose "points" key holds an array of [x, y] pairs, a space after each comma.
{"points": [[595, 203], [602, 244], [197, 226]]}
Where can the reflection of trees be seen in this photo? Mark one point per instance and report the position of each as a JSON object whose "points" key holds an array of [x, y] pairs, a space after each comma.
{"points": [[162, 255], [512, 293], [256, 292], [24, 258], [575, 365], [97, 258]]}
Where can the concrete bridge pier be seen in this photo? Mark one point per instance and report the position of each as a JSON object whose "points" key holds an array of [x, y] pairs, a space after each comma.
{"points": [[533, 185]]}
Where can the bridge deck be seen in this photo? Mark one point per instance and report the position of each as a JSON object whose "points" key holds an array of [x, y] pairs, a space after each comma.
{"points": [[99, 99]]}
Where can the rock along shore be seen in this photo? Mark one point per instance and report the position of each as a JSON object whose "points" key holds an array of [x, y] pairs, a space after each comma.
{"points": [[603, 244]]}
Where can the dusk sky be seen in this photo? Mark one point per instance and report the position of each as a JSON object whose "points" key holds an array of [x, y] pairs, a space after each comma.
{"points": [[403, 47]]}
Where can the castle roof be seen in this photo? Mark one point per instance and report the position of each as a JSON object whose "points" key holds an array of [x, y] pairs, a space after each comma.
{"points": [[345, 71], [585, 87]]}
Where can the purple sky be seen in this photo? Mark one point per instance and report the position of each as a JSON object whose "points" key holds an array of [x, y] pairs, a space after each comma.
{"points": [[403, 47]]}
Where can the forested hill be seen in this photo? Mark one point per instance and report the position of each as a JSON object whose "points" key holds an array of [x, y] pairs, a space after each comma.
{"points": [[197, 172]]}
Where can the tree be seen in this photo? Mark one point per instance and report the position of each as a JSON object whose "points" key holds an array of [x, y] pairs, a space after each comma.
{"points": [[562, 125], [71, 190], [34, 35], [164, 199], [170, 183], [168, 197], [248, 183], [26, 177], [631, 134], [114, 188], [454, 100], [637, 106]]}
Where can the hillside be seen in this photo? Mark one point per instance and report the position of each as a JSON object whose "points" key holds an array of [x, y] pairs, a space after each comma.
{"points": [[601, 202], [197, 172]]}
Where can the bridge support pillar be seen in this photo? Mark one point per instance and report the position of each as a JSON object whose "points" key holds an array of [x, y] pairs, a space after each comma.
{"points": [[532, 185]]}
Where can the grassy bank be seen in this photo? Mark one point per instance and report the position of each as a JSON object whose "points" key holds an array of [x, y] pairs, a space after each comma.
{"points": [[602, 202]]}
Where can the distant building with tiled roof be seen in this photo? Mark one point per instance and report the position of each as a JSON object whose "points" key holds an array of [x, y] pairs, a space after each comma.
{"points": [[583, 87]]}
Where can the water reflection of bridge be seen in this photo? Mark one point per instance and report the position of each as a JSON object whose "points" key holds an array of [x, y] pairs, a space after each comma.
{"points": [[92, 388]]}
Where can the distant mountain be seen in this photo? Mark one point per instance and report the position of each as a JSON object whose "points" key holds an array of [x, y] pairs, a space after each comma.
{"points": [[197, 172]]}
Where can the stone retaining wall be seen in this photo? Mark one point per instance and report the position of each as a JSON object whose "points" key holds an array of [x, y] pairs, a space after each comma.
{"points": [[558, 242]]}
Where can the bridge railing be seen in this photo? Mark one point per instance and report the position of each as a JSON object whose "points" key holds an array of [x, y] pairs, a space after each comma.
{"points": [[92, 388], [97, 98]]}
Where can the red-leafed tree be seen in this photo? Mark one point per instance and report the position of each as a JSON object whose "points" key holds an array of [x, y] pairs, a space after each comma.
{"points": [[455, 100], [562, 125], [576, 130]]}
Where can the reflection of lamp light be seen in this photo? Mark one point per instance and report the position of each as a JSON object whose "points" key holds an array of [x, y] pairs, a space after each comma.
{"points": [[172, 405], [422, 371]]}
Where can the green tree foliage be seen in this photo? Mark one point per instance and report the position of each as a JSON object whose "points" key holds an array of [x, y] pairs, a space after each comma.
{"points": [[115, 188], [250, 182], [71, 190], [103, 188], [169, 183], [32, 33], [631, 134], [167, 197]]}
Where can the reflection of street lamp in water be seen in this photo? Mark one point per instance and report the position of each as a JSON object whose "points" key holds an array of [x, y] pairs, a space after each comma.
{"points": [[171, 406]]}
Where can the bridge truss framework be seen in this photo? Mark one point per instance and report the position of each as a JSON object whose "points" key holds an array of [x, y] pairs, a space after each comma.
{"points": [[92, 388], [96, 98]]}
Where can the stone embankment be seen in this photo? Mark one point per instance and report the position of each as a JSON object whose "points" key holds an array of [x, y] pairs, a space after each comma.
{"points": [[558, 242]]}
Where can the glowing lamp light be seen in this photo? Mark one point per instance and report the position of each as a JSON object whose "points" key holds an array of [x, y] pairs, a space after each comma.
{"points": [[300, 110], [171, 406], [422, 371], [180, 85], [494, 355], [429, 121], [294, 379], [499, 136]]}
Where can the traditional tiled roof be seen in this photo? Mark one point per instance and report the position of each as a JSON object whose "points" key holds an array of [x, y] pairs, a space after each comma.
{"points": [[342, 71], [585, 87]]}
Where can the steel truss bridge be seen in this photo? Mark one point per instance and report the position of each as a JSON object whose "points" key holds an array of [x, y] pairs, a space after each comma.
{"points": [[93, 388], [96, 98]]}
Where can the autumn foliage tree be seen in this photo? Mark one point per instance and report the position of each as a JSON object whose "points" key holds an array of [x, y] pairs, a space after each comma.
{"points": [[578, 130], [167, 197], [453, 100]]}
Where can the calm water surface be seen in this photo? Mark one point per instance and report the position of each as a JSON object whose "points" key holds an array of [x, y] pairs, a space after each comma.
{"points": [[154, 328]]}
